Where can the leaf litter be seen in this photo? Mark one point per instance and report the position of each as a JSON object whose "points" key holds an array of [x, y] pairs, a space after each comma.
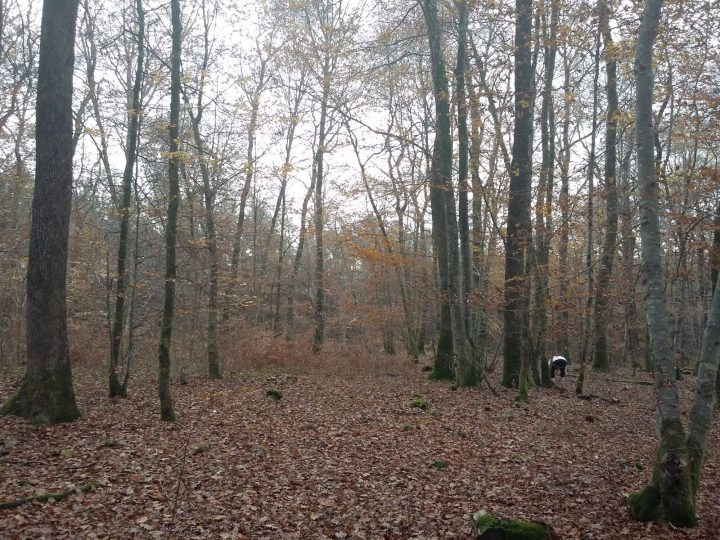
{"points": [[340, 456]]}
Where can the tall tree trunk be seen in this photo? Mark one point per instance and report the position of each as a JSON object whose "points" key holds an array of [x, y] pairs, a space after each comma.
{"points": [[631, 339], [669, 494], [115, 387], [166, 327], [463, 154], [290, 314], [245, 192], [47, 395], [601, 360], [518, 219], [479, 281], [543, 205], [590, 245], [453, 339], [203, 155], [715, 266], [563, 342], [319, 308]]}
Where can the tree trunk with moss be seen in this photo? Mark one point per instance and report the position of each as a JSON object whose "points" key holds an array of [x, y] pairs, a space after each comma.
{"points": [[670, 493], [46, 395]]}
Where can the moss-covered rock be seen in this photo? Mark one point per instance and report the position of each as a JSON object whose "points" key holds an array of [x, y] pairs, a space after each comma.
{"points": [[488, 527]]}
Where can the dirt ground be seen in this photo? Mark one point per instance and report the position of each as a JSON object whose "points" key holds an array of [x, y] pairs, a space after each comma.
{"points": [[341, 455]]}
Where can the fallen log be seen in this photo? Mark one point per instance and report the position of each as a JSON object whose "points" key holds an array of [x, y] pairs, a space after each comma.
{"points": [[45, 497]]}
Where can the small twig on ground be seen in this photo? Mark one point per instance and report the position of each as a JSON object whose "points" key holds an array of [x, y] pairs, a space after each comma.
{"points": [[180, 476], [589, 397]]}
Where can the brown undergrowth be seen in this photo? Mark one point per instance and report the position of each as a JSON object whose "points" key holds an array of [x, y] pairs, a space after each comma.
{"points": [[341, 455]]}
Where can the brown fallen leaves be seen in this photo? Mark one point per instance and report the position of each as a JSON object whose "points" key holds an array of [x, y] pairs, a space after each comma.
{"points": [[339, 456]]}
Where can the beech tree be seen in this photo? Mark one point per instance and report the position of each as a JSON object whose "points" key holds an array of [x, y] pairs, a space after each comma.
{"points": [[515, 361], [453, 352], [116, 387], [46, 394], [672, 488], [602, 305]]}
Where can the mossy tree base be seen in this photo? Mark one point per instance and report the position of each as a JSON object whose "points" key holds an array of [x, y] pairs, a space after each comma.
{"points": [[488, 527], [49, 402], [442, 366], [648, 505], [670, 494]]}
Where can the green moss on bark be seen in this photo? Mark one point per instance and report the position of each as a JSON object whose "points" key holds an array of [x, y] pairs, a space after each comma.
{"points": [[442, 367], [670, 494], [12, 405], [644, 505]]}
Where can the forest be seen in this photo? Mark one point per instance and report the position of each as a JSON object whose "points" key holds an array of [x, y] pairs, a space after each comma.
{"points": [[359, 269]]}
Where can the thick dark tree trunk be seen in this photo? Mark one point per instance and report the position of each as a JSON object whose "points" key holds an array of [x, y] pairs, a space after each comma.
{"points": [[601, 360], [46, 395], [116, 388], [166, 327], [518, 221]]}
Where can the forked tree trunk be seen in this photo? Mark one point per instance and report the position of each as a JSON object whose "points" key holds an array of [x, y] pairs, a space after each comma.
{"points": [[116, 388], [46, 395], [454, 340]]}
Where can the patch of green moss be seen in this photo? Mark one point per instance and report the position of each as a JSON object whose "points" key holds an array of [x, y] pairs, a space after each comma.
{"points": [[12, 405], [488, 526], [418, 402], [274, 393], [644, 505]]}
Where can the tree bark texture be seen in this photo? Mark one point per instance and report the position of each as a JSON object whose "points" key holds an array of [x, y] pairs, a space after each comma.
{"points": [[166, 405], [669, 493], [47, 395], [518, 221]]}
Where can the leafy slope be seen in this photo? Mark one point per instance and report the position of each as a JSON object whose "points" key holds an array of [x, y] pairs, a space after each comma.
{"points": [[339, 457]]}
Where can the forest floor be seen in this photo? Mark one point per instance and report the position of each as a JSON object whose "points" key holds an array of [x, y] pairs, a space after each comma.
{"points": [[341, 455]]}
